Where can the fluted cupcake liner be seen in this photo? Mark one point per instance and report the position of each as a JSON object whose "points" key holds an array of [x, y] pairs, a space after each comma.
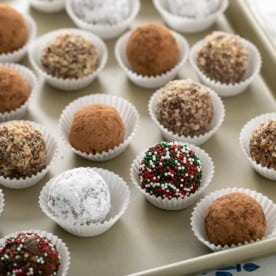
{"points": [[245, 137], [150, 81], [208, 171], [51, 150], [104, 31], [62, 249], [198, 216], [31, 80], [17, 55], [126, 110], [188, 24], [217, 120], [48, 7], [229, 90], [2, 201], [120, 195], [35, 53]]}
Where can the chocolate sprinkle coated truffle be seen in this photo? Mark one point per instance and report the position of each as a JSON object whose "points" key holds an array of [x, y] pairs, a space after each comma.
{"points": [[70, 56], [223, 58], [185, 107], [263, 144], [29, 254], [170, 170], [22, 150], [234, 218]]}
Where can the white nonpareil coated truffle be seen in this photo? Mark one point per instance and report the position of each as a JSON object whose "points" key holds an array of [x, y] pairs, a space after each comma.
{"points": [[79, 196]]}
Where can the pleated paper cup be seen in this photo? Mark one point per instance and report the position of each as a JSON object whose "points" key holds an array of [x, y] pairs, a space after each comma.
{"points": [[17, 55], [48, 7], [217, 120], [208, 171], [2, 201], [245, 137], [62, 249], [229, 90], [151, 81], [127, 111], [35, 53], [188, 24], [198, 216], [51, 150], [120, 195], [32, 82], [104, 31]]}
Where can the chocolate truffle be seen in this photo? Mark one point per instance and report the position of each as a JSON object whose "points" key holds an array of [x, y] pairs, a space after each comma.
{"points": [[22, 150], [14, 90], [193, 9], [170, 170], [185, 107], [96, 128], [263, 144], [152, 50], [79, 196], [102, 12], [234, 218], [223, 57], [70, 56], [13, 30], [29, 254]]}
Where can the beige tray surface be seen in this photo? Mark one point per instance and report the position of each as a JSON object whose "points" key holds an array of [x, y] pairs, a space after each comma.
{"points": [[145, 237]]}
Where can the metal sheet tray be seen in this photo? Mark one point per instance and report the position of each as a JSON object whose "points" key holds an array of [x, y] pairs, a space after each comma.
{"points": [[145, 237]]}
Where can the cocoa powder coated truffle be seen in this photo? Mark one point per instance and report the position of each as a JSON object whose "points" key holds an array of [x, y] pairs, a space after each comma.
{"points": [[223, 57], [96, 128], [70, 55], [29, 254], [185, 107], [14, 90], [152, 50], [234, 218], [13, 30], [22, 150], [263, 144]]}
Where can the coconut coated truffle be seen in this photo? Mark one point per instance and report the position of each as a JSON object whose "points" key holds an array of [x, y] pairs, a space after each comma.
{"points": [[152, 50], [96, 128], [170, 170], [263, 144], [22, 150], [234, 218], [29, 254], [79, 196], [223, 57], [13, 30], [185, 107], [14, 90]]}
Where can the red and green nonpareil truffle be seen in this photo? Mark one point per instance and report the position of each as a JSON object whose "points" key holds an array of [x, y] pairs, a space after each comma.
{"points": [[29, 254], [170, 170]]}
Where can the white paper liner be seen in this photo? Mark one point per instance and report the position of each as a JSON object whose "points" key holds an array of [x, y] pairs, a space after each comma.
{"points": [[229, 90], [126, 110], [208, 171], [48, 7], [104, 31], [31, 80], [35, 52], [62, 249], [188, 24], [198, 216], [245, 137], [17, 55], [120, 195], [218, 118], [51, 150], [151, 81], [2, 201]]}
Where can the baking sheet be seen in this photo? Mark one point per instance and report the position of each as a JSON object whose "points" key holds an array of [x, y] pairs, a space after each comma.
{"points": [[145, 237]]}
